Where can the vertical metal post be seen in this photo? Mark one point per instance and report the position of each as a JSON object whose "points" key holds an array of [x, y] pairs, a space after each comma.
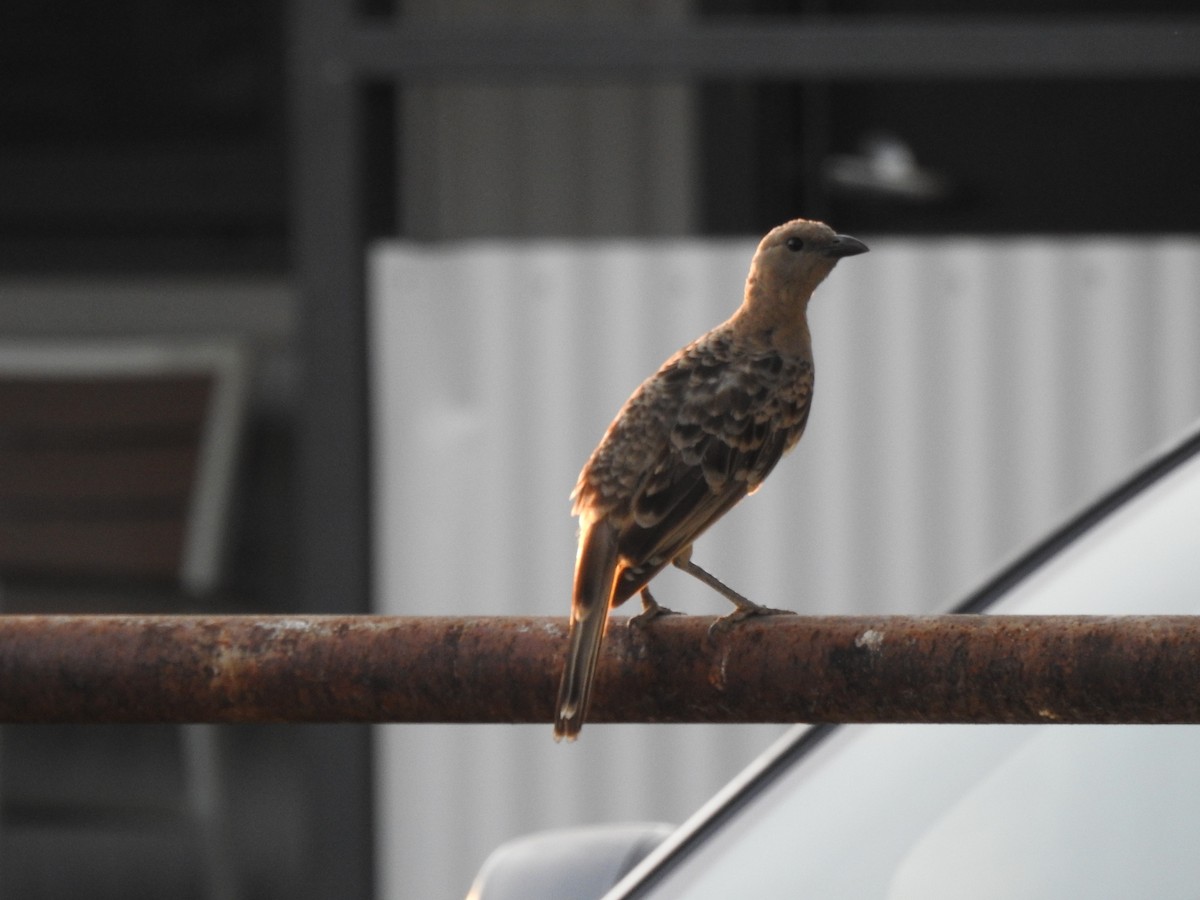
{"points": [[332, 541]]}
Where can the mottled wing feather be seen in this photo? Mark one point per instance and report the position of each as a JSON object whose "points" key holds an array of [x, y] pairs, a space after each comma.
{"points": [[694, 439]]}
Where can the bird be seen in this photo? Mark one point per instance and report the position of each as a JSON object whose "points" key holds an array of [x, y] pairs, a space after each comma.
{"points": [[696, 437]]}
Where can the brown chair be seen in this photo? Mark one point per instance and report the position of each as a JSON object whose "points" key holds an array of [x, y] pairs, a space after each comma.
{"points": [[117, 460], [117, 464]]}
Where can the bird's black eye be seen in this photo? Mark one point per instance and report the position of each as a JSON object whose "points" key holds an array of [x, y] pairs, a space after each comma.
{"points": [[794, 244]]}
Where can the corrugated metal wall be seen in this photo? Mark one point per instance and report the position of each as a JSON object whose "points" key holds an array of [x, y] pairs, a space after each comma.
{"points": [[970, 393], [555, 156]]}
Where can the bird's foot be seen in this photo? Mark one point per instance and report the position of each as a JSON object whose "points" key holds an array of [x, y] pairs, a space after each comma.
{"points": [[651, 610], [745, 609]]}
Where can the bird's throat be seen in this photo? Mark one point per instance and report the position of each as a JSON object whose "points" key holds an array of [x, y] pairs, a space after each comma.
{"points": [[777, 324]]}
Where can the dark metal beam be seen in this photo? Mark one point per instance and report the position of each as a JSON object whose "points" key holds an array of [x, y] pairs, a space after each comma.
{"points": [[332, 566], [328, 248], [859, 47], [982, 669]]}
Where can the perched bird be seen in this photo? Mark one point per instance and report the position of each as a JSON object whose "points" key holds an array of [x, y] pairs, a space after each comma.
{"points": [[698, 435]]}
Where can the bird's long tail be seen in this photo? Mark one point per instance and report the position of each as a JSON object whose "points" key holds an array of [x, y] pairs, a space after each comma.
{"points": [[595, 573]]}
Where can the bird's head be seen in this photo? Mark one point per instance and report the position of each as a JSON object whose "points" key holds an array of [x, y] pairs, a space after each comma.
{"points": [[798, 255], [789, 264]]}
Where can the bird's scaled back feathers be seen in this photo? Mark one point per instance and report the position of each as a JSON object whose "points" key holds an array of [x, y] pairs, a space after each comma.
{"points": [[695, 438]]}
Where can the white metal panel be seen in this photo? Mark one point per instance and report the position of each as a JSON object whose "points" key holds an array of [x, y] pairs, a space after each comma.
{"points": [[969, 394]]}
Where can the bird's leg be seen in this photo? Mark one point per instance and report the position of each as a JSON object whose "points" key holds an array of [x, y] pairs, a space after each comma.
{"points": [[745, 606], [651, 610]]}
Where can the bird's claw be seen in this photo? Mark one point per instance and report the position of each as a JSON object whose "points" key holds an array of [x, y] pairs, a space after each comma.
{"points": [[742, 613], [644, 618], [651, 610]]}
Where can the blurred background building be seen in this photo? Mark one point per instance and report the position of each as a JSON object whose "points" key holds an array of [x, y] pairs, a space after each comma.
{"points": [[334, 189]]}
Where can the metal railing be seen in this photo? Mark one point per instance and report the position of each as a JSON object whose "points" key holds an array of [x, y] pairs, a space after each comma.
{"points": [[958, 668]]}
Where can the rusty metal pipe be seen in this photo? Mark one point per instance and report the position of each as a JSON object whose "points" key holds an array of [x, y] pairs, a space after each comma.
{"points": [[1066, 669]]}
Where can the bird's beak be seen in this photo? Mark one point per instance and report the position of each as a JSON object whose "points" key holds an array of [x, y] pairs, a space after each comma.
{"points": [[844, 245]]}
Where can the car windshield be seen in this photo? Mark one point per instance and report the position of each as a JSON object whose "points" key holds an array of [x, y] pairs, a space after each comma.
{"points": [[906, 811]]}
